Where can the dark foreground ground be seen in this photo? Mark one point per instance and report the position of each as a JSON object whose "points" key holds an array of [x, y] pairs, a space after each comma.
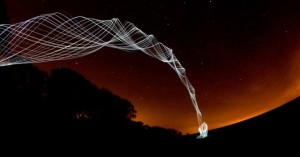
{"points": [[271, 133]]}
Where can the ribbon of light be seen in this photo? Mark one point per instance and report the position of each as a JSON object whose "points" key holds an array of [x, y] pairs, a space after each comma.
{"points": [[54, 36]]}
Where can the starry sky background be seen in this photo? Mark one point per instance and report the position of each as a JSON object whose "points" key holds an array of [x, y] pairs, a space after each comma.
{"points": [[241, 56]]}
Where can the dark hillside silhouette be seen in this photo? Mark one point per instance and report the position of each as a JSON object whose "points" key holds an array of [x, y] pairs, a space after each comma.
{"points": [[272, 132]]}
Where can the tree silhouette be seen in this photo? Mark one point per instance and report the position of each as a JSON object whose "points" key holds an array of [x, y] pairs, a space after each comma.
{"points": [[67, 105], [22, 93], [76, 100]]}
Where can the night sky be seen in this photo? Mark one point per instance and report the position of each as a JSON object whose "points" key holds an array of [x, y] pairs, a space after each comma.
{"points": [[241, 56]]}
